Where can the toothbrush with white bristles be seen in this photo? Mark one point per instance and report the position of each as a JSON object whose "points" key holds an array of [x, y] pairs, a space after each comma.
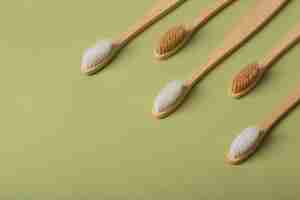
{"points": [[246, 143], [172, 95], [97, 57]]}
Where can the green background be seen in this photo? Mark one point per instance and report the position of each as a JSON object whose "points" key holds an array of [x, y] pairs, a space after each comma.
{"points": [[68, 136]]}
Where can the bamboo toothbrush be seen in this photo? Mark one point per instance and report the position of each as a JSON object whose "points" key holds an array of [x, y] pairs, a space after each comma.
{"points": [[245, 144], [175, 92], [175, 38], [103, 52], [248, 77]]}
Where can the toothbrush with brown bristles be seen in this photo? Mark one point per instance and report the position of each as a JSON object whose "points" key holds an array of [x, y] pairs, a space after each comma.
{"points": [[248, 77], [175, 38], [172, 95]]}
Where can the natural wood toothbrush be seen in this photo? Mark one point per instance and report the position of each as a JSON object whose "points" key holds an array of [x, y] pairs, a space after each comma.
{"points": [[248, 77], [246, 143], [103, 52], [175, 92], [175, 38]]}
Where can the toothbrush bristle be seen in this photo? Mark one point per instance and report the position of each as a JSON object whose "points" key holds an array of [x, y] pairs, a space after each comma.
{"points": [[244, 143], [171, 39], [96, 54], [168, 95], [245, 78]]}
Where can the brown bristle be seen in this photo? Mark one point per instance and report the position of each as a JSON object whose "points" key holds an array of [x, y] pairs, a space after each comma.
{"points": [[171, 39], [247, 77]]}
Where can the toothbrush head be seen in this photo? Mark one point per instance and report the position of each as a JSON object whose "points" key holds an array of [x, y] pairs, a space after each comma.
{"points": [[246, 80], [244, 145], [169, 98], [96, 57], [171, 42]]}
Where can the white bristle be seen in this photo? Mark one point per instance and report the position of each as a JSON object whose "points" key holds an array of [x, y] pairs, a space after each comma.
{"points": [[244, 142], [168, 95], [101, 50]]}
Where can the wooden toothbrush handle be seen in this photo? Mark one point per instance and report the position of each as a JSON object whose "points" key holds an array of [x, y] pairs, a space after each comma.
{"points": [[283, 109], [209, 13], [161, 8], [292, 38], [250, 24]]}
